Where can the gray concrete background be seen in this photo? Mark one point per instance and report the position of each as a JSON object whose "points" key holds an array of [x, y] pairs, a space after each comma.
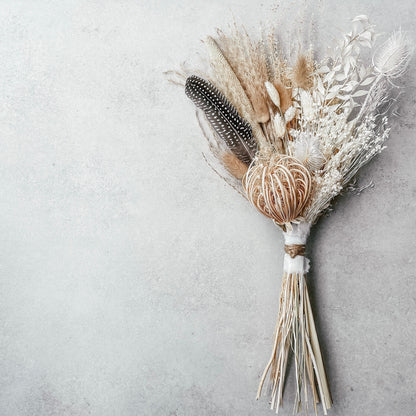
{"points": [[133, 280]]}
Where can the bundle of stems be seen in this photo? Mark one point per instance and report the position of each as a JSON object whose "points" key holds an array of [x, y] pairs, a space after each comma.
{"points": [[289, 135]]}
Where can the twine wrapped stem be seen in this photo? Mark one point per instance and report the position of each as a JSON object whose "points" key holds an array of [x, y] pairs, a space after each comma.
{"points": [[295, 250], [295, 329]]}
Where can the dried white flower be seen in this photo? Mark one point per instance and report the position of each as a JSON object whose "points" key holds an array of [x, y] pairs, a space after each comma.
{"points": [[307, 150], [393, 56], [279, 125], [273, 93], [290, 114], [306, 101]]}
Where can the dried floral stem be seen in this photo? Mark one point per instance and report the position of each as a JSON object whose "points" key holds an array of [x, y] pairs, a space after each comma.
{"points": [[295, 328], [369, 97], [315, 124]]}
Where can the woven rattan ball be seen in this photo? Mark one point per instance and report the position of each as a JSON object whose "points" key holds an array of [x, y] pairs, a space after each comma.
{"points": [[279, 187]]}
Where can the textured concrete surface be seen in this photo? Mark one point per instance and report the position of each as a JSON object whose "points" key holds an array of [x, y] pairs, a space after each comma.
{"points": [[133, 280]]}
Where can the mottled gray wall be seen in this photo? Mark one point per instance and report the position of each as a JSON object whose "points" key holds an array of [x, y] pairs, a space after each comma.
{"points": [[133, 281]]}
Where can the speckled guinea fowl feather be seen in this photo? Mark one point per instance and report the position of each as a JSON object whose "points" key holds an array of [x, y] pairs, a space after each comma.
{"points": [[224, 118]]}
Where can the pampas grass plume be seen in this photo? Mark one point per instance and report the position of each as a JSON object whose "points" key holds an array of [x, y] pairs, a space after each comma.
{"points": [[234, 165], [302, 73]]}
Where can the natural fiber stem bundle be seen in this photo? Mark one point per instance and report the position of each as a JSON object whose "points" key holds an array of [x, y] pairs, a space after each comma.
{"points": [[250, 65], [295, 329]]}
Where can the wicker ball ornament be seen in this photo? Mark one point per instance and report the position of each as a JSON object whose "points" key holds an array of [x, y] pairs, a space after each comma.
{"points": [[279, 187]]}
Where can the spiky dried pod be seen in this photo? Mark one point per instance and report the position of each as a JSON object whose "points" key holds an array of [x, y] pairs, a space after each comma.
{"points": [[279, 187], [392, 58]]}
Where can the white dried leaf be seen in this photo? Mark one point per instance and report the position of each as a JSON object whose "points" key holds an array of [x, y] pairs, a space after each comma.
{"points": [[346, 69], [366, 35], [360, 18], [320, 86], [335, 88], [329, 77], [346, 51], [367, 81], [331, 95], [348, 87], [366, 43], [360, 93], [362, 72], [340, 77], [323, 69]]}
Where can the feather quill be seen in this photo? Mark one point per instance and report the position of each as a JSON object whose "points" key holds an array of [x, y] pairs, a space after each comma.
{"points": [[224, 118]]}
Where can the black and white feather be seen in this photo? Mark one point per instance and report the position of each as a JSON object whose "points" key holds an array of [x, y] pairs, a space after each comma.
{"points": [[224, 118]]}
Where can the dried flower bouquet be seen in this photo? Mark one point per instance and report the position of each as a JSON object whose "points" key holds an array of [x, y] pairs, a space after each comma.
{"points": [[289, 137]]}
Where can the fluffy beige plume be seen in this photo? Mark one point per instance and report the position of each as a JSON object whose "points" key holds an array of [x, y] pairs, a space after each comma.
{"points": [[230, 86], [302, 72], [278, 70], [250, 66], [234, 165]]}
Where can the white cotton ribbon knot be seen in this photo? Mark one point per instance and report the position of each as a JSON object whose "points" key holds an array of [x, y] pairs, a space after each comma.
{"points": [[297, 235]]}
